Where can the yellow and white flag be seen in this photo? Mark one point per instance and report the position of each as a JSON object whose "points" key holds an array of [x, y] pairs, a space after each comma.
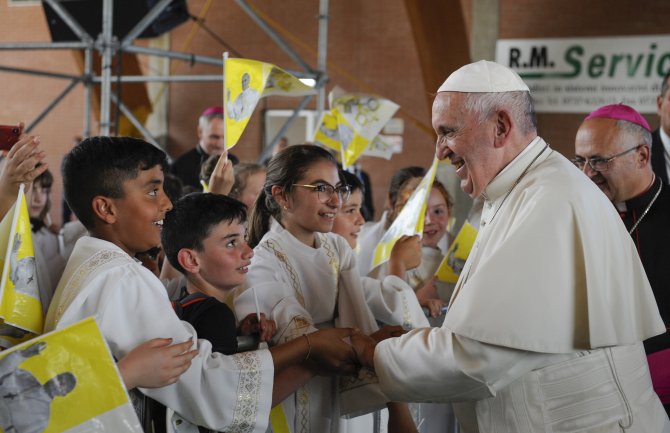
{"points": [[410, 220], [327, 134], [64, 381], [245, 82], [453, 262], [336, 132], [20, 306], [379, 148], [353, 123]]}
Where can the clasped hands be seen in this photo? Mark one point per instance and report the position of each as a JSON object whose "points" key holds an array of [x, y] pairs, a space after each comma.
{"points": [[344, 351]]}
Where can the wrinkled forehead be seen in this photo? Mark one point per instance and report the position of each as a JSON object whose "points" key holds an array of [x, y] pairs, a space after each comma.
{"points": [[449, 107]]}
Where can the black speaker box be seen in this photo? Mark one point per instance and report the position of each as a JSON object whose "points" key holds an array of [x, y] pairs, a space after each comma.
{"points": [[127, 13]]}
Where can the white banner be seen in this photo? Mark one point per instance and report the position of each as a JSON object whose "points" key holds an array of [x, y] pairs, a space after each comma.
{"points": [[578, 75]]}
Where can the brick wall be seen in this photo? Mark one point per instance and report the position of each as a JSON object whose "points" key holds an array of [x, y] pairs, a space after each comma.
{"points": [[370, 49]]}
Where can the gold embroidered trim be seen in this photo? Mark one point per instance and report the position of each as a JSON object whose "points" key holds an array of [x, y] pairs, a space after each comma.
{"points": [[365, 377], [248, 393], [299, 324], [295, 329], [407, 323], [74, 285], [333, 259], [274, 247], [302, 410]]}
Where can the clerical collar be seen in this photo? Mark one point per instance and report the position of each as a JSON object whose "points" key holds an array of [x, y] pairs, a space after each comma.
{"points": [[506, 178], [201, 151]]}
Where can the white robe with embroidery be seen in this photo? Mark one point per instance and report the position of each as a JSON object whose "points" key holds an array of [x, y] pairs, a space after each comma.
{"points": [[368, 239], [553, 277], [304, 289], [225, 393]]}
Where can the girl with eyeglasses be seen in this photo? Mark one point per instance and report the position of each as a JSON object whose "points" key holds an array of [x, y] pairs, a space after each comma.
{"points": [[304, 278]]}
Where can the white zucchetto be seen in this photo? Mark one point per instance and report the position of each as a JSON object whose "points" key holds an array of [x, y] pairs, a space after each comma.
{"points": [[483, 77]]}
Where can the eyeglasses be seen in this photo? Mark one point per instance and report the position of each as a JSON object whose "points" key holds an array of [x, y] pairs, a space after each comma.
{"points": [[600, 164], [326, 191]]}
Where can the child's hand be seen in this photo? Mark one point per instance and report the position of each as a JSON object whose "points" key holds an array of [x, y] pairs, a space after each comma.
{"points": [[405, 255], [249, 325], [223, 177], [24, 162], [427, 290], [156, 363], [429, 299], [434, 306]]}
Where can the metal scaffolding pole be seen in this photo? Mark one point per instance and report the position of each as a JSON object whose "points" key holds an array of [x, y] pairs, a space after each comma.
{"points": [[268, 150], [144, 23], [106, 67], [129, 114], [40, 73], [51, 105], [25, 46], [322, 50], [88, 90], [160, 78], [70, 21], [107, 44], [281, 43]]}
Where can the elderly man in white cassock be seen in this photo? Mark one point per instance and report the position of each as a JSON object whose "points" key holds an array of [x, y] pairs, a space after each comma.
{"points": [[545, 325]]}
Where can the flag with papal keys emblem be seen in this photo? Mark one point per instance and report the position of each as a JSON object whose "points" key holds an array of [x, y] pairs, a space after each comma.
{"points": [[20, 306], [410, 220], [353, 123], [64, 381], [245, 82], [451, 266]]}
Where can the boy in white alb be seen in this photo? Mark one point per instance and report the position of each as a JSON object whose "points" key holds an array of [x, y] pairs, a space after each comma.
{"points": [[114, 186]]}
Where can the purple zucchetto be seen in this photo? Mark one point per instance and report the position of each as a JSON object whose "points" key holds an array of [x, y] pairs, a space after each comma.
{"points": [[619, 112], [210, 111]]}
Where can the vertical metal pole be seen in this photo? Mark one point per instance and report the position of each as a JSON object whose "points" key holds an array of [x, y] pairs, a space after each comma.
{"points": [[322, 56], [88, 89], [106, 67]]}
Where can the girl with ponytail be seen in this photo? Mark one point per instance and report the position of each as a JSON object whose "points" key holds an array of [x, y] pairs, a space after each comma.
{"points": [[304, 278]]}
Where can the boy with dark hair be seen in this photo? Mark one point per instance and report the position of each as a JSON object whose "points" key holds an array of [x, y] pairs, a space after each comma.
{"points": [[114, 185], [203, 238]]}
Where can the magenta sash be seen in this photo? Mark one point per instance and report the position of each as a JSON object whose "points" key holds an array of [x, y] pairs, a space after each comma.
{"points": [[659, 367]]}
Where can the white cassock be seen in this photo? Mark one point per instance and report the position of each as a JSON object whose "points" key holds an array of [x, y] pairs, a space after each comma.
{"points": [[368, 239], [303, 289], [545, 325], [130, 305]]}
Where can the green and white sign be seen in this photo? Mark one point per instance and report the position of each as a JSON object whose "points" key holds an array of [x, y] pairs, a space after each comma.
{"points": [[580, 75]]}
